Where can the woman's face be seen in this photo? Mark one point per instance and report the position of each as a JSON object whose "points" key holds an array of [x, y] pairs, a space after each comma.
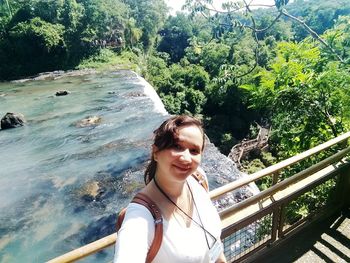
{"points": [[181, 160]]}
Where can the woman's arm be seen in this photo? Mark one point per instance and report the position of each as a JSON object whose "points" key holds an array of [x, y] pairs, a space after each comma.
{"points": [[221, 259]]}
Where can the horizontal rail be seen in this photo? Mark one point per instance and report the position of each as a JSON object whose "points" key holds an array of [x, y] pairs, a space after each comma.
{"points": [[286, 182], [86, 250], [110, 240], [276, 167], [280, 186]]}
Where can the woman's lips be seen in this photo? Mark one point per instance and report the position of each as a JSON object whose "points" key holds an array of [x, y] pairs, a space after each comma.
{"points": [[183, 168]]}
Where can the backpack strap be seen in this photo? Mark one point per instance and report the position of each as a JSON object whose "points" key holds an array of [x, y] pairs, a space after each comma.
{"points": [[144, 200], [120, 219], [201, 179]]}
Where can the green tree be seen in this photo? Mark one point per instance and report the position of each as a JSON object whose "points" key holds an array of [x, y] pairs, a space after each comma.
{"points": [[132, 34], [42, 40], [191, 76], [5, 9], [158, 74], [213, 56], [175, 37], [105, 20], [230, 18], [194, 101], [189, 101], [281, 30], [300, 94], [150, 16], [319, 16], [339, 38]]}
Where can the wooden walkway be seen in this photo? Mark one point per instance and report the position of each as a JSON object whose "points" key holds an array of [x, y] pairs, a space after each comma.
{"points": [[324, 241], [242, 149]]}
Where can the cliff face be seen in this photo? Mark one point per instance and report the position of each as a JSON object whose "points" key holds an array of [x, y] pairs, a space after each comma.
{"points": [[221, 170]]}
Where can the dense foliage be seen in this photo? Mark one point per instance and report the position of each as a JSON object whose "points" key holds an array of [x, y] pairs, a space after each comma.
{"points": [[46, 35], [288, 76]]}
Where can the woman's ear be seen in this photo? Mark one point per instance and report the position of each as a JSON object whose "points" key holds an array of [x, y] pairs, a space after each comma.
{"points": [[154, 152]]}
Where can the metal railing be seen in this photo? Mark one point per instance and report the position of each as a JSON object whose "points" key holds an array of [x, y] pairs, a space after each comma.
{"points": [[259, 221]]}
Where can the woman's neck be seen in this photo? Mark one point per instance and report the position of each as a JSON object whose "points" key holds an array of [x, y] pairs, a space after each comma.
{"points": [[173, 189]]}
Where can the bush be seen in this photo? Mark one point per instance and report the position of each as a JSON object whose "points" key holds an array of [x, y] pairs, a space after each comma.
{"points": [[31, 47], [226, 143], [100, 58]]}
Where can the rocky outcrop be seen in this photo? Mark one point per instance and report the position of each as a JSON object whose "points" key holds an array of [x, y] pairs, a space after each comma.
{"points": [[57, 74], [89, 121], [91, 191], [12, 120], [62, 93]]}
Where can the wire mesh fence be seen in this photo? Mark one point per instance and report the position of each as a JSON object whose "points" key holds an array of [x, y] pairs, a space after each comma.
{"points": [[308, 204], [248, 238]]}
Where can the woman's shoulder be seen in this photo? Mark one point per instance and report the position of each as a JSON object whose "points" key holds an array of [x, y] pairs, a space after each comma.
{"points": [[199, 179], [197, 189], [135, 210], [137, 219]]}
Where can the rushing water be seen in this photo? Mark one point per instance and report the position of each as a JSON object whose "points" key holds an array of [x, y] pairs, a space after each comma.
{"points": [[59, 177]]}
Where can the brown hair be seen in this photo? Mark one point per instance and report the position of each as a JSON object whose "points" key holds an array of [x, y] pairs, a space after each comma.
{"points": [[166, 136]]}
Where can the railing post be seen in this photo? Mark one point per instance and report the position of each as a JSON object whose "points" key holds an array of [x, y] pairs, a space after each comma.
{"points": [[347, 189], [276, 212], [275, 224], [281, 220], [345, 181], [343, 188], [275, 177]]}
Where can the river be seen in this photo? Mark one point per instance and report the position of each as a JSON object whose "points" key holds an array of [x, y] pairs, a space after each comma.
{"points": [[56, 170]]}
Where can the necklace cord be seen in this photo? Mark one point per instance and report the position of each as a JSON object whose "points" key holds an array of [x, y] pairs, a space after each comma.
{"points": [[200, 219], [201, 225]]}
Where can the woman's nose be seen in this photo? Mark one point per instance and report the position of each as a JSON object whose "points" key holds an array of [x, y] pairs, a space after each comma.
{"points": [[186, 156]]}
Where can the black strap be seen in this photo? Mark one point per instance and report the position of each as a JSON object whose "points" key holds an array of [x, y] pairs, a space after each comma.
{"points": [[187, 215]]}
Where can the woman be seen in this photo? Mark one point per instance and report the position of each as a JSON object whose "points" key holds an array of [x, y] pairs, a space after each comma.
{"points": [[191, 225]]}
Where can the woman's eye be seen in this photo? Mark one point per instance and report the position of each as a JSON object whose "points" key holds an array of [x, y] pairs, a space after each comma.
{"points": [[195, 151], [177, 147]]}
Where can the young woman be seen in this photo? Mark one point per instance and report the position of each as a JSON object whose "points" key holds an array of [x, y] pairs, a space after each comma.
{"points": [[191, 225]]}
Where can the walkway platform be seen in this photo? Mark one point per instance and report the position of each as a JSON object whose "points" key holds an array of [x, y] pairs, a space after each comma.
{"points": [[324, 241]]}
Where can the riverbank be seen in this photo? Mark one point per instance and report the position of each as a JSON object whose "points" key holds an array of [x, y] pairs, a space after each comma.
{"points": [[104, 61], [57, 74]]}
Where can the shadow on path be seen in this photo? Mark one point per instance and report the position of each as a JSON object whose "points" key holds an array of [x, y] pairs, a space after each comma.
{"points": [[324, 241]]}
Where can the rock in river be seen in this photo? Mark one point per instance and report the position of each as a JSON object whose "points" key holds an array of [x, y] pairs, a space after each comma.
{"points": [[89, 121], [12, 120], [62, 93]]}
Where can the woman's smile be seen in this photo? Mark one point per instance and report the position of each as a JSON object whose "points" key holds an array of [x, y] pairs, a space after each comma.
{"points": [[183, 168]]}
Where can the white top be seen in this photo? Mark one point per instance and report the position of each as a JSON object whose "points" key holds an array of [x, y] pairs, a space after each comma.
{"points": [[179, 244]]}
